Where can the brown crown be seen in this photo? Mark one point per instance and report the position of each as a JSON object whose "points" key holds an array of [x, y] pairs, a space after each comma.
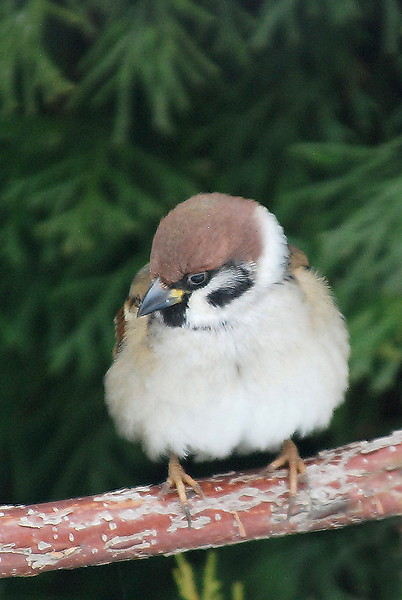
{"points": [[204, 232]]}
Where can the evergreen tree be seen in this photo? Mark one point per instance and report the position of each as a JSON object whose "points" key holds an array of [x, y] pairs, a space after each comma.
{"points": [[113, 111]]}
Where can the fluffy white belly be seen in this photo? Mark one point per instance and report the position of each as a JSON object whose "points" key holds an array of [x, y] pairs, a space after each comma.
{"points": [[209, 393]]}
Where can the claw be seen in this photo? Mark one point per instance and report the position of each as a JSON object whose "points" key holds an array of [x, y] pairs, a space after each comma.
{"points": [[290, 456], [178, 478]]}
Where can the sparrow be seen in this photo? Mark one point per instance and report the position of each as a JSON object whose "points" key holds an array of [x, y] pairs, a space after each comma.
{"points": [[228, 341]]}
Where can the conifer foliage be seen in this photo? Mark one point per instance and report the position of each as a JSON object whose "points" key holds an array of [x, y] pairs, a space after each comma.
{"points": [[110, 113]]}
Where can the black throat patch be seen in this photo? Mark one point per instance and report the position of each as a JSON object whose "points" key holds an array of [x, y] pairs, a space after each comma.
{"points": [[175, 316]]}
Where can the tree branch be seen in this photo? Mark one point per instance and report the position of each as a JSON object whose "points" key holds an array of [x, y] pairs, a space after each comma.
{"points": [[351, 484]]}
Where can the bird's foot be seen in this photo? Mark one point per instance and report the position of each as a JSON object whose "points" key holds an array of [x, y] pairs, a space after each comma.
{"points": [[178, 478], [290, 456]]}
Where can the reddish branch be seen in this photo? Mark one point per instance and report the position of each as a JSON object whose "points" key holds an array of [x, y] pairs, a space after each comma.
{"points": [[348, 485]]}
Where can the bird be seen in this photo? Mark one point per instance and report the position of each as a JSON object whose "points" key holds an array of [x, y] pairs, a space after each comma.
{"points": [[228, 342]]}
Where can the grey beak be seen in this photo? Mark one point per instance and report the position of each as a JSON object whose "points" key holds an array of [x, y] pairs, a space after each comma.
{"points": [[158, 298]]}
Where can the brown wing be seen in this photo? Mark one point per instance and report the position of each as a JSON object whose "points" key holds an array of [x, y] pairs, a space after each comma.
{"points": [[297, 259], [119, 330], [138, 289]]}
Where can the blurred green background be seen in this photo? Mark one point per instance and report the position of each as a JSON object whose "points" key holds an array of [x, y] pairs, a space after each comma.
{"points": [[112, 111]]}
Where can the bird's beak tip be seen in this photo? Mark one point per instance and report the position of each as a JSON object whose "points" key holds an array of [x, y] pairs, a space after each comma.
{"points": [[159, 297]]}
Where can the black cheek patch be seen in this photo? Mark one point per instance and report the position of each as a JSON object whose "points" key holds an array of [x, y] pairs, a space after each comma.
{"points": [[223, 296]]}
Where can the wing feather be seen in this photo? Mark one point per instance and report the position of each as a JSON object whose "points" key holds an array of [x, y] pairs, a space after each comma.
{"points": [[138, 289], [297, 259]]}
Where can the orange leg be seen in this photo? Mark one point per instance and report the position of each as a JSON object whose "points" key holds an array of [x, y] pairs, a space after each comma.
{"points": [[178, 478], [290, 456]]}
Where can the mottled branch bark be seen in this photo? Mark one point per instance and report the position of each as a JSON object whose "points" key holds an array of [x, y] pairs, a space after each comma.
{"points": [[355, 483]]}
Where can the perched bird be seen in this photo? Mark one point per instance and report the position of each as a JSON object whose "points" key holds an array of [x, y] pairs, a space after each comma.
{"points": [[228, 341]]}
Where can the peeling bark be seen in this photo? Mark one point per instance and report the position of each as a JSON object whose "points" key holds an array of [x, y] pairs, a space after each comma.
{"points": [[351, 484]]}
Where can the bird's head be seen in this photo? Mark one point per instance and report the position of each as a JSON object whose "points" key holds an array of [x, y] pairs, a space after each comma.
{"points": [[211, 257]]}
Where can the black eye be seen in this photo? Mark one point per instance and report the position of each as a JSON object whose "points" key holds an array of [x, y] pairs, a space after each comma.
{"points": [[197, 278]]}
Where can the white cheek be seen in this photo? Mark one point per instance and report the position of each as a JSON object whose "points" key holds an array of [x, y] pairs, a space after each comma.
{"points": [[199, 305], [201, 313]]}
